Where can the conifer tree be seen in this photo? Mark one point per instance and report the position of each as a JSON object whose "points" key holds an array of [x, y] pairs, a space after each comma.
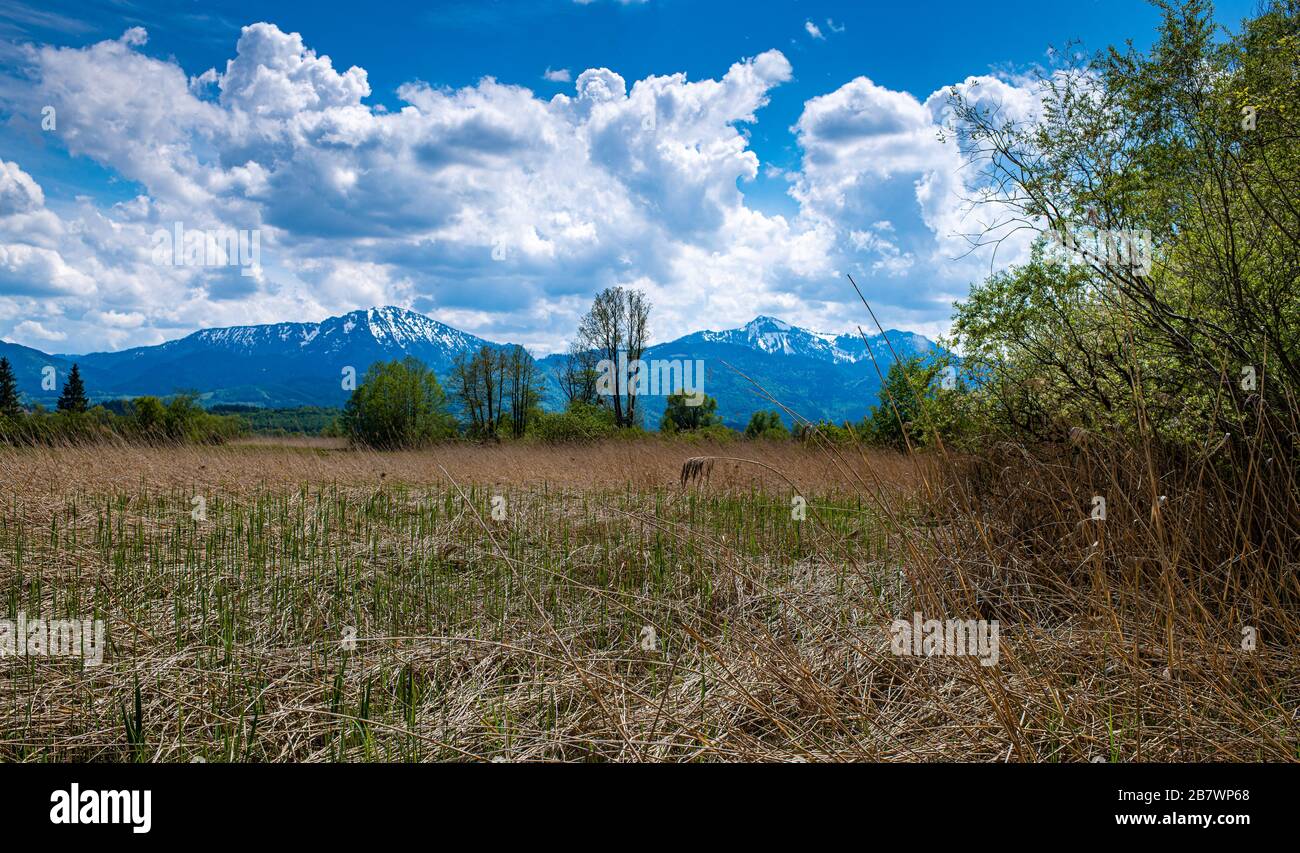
{"points": [[10, 404], [73, 398]]}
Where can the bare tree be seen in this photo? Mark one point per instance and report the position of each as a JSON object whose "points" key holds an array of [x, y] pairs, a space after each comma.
{"points": [[478, 382], [521, 388], [617, 324], [578, 374]]}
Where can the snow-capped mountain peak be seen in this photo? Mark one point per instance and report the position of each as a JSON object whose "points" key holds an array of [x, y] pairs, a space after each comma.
{"points": [[763, 323], [774, 336], [284, 363], [394, 327]]}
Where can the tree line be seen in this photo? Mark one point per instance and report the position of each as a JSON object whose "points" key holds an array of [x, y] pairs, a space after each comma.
{"points": [[180, 418], [498, 391]]}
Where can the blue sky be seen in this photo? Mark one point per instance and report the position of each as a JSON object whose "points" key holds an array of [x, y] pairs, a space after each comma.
{"points": [[731, 158]]}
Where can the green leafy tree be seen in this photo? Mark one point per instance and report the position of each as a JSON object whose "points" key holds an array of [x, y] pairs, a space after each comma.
{"points": [[680, 416], [900, 419], [398, 404], [10, 403], [73, 396], [766, 425], [1190, 148], [150, 416]]}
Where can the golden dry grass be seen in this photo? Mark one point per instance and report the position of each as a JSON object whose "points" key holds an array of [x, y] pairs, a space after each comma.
{"points": [[250, 463], [522, 638]]}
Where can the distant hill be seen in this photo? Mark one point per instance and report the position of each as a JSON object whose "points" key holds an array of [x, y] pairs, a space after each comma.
{"points": [[301, 364], [29, 369]]}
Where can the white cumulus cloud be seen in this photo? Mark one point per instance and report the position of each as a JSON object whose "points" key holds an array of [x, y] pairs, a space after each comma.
{"points": [[488, 206]]}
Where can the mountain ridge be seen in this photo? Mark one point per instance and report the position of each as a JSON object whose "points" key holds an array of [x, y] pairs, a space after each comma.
{"points": [[817, 374]]}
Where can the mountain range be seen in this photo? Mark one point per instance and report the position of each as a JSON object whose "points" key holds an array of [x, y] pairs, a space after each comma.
{"points": [[280, 365]]}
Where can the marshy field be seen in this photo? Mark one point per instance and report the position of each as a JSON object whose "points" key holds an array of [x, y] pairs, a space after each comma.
{"points": [[643, 600]]}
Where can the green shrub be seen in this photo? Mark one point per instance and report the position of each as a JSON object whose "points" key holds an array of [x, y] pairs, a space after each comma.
{"points": [[715, 433], [834, 433], [580, 422], [398, 404], [144, 419]]}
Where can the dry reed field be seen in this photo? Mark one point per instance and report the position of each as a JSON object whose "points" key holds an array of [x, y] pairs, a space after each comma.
{"points": [[642, 601]]}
